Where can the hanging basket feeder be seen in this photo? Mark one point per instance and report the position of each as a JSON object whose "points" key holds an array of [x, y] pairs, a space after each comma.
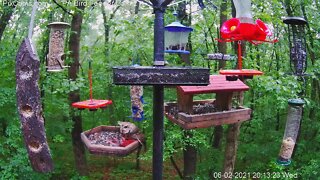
{"points": [[109, 140], [56, 56]]}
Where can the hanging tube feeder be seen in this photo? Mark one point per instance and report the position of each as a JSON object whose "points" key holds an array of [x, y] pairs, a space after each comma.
{"points": [[297, 44], [56, 56], [136, 94], [91, 104], [291, 132]]}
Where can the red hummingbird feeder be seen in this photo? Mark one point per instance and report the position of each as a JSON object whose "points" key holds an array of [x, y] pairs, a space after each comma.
{"points": [[244, 28], [91, 104]]}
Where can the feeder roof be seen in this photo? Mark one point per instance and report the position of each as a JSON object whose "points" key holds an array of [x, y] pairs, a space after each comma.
{"points": [[295, 21], [59, 25], [218, 83], [178, 27], [296, 102]]}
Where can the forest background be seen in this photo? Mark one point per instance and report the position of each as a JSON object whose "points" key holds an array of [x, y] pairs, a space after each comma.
{"points": [[120, 33]]}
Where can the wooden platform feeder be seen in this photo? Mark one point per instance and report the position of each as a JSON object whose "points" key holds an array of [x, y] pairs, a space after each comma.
{"points": [[183, 113], [127, 146]]}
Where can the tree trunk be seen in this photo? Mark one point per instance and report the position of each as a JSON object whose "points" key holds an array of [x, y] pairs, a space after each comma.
{"points": [[189, 158], [4, 19], [222, 48], [231, 150], [233, 129], [190, 152], [74, 96]]}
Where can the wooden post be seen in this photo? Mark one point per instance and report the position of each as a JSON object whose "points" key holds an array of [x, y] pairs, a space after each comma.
{"points": [[30, 109], [232, 145], [185, 104]]}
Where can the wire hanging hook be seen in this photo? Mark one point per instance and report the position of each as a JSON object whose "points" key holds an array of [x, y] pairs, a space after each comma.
{"points": [[33, 13]]}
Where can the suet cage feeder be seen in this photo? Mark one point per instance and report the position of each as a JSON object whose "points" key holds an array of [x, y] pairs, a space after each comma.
{"points": [[56, 56], [291, 131], [176, 38], [297, 44]]}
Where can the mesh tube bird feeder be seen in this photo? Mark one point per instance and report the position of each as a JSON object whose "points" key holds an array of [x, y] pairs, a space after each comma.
{"points": [[297, 44], [56, 56], [291, 132]]}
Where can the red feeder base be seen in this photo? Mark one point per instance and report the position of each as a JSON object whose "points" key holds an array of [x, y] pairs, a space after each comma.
{"points": [[242, 72], [92, 104]]}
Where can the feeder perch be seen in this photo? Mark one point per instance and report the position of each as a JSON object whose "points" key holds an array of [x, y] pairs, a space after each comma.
{"points": [[176, 38], [191, 114], [108, 140], [291, 132], [297, 44], [56, 56]]}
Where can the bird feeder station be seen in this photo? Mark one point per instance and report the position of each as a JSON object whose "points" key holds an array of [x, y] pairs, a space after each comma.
{"points": [[297, 44], [113, 140], [91, 104], [176, 38], [160, 76], [56, 56], [191, 114], [291, 132]]}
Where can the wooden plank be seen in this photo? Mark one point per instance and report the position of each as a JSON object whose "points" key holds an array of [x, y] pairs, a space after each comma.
{"points": [[213, 116], [223, 101], [185, 102], [218, 83], [209, 123], [30, 109]]}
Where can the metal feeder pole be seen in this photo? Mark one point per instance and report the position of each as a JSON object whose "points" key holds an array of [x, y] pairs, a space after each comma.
{"points": [[158, 97]]}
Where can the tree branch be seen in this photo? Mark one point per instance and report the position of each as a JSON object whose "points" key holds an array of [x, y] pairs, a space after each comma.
{"points": [[166, 3], [146, 2], [154, 2], [63, 8]]}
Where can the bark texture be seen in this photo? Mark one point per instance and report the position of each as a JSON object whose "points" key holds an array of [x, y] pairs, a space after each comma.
{"points": [[74, 96], [30, 109]]}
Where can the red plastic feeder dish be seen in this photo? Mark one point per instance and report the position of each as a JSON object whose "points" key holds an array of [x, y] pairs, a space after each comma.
{"points": [[92, 104], [242, 72]]}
